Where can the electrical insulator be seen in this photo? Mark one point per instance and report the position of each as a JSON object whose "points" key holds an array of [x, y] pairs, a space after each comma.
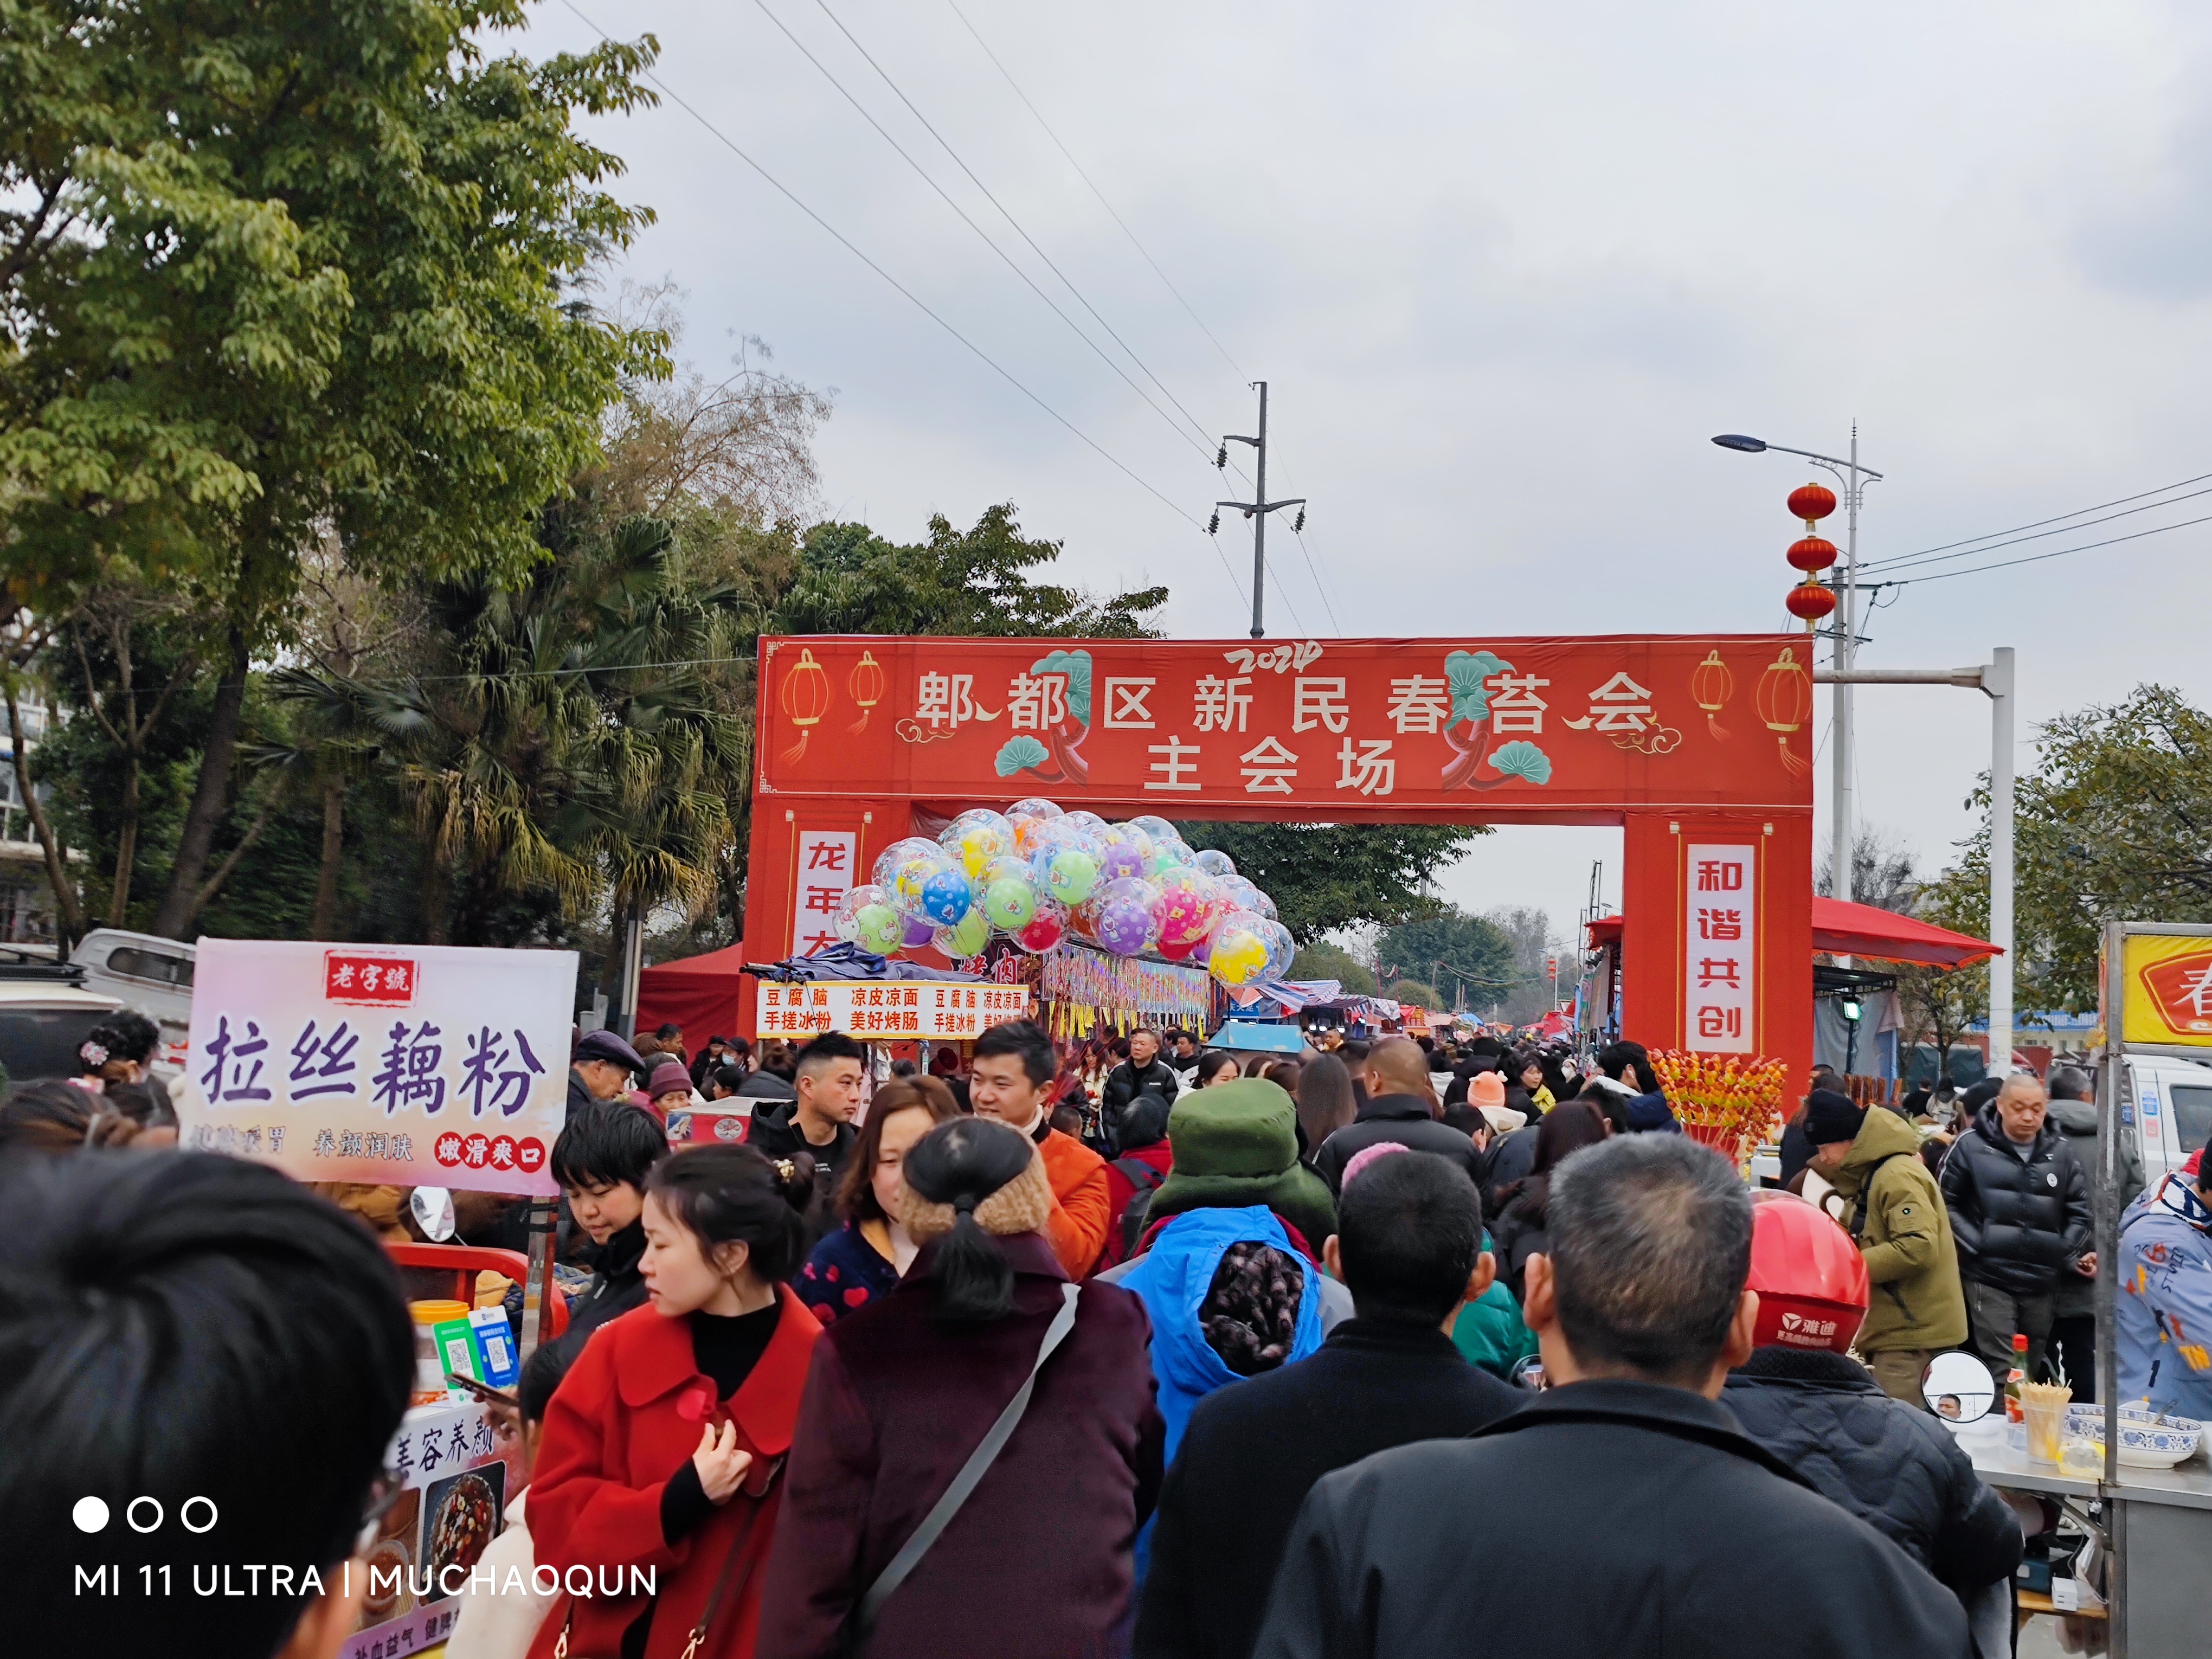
{"points": [[1213, 524], [1221, 459], [1299, 524]]}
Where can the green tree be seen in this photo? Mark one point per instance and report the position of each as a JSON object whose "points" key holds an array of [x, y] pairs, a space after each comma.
{"points": [[1324, 876], [317, 272], [1470, 958], [974, 582], [1419, 992], [2116, 820], [1323, 960]]}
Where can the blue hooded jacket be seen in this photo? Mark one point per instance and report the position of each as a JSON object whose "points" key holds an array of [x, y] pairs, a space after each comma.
{"points": [[2165, 1307], [1173, 1279]]}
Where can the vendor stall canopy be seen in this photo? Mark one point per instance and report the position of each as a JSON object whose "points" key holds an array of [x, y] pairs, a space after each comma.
{"points": [[1841, 928]]}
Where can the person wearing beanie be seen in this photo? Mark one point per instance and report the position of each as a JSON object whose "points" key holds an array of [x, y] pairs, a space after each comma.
{"points": [[1895, 1214], [1235, 1145], [1039, 1559], [670, 1089]]}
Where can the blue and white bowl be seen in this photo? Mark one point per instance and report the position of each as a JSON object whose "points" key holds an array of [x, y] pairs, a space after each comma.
{"points": [[2146, 1439]]}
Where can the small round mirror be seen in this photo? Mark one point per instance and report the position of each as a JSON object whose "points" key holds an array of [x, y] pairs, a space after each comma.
{"points": [[1957, 1388], [434, 1213]]}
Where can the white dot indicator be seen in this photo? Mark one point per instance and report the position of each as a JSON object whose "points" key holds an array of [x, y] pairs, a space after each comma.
{"points": [[90, 1514]]}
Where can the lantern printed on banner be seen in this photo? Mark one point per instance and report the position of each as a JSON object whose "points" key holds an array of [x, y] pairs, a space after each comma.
{"points": [[865, 685], [804, 696], [1784, 701], [1711, 687]]}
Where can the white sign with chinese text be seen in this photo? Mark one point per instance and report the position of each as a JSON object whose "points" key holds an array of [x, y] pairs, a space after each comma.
{"points": [[457, 1472], [397, 1064], [1720, 969], [891, 1008], [825, 876]]}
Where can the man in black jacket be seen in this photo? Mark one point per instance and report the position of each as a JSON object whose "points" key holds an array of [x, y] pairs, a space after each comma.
{"points": [[1623, 1513], [1409, 1244], [1398, 1108], [2019, 1211], [1143, 1070]]}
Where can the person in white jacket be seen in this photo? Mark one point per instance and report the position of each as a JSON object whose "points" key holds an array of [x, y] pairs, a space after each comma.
{"points": [[502, 1623]]}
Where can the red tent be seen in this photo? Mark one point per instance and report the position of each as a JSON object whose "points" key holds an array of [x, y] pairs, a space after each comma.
{"points": [[1862, 930], [700, 993]]}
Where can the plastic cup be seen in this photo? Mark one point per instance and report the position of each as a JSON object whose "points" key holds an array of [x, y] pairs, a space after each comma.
{"points": [[2043, 1406]]}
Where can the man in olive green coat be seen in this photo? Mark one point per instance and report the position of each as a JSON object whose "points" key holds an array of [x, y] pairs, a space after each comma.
{"points": [[1895, 1211]]}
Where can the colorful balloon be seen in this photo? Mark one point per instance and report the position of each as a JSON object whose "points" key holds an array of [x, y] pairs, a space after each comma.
{"points": [[1179, 953], [1043, 931], [1125, 919], [898, 855], [1128, 853], [1185, 906], [1067, 870], [1009, 900], [868, 916], [976, 837], [1237, 949], [944, 894], [918, 931], [966, 937]]}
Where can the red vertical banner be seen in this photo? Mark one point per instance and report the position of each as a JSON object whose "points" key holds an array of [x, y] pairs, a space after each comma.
{"points": [[803, 860], [1717, 957]]}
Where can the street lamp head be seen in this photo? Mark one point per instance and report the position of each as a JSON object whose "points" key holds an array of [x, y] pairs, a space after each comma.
{"points": [[1737, 440]]}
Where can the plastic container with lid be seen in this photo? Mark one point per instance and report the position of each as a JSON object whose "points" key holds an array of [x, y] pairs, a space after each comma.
{"points": [[430, 1388]]}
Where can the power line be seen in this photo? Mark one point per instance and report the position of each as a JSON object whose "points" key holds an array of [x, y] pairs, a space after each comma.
{"points": [[1328, 603], [1927, 555], [1198, 426], [923, 173], [2060, 553], [1095, 190], [2015, 540], [909, 294]]}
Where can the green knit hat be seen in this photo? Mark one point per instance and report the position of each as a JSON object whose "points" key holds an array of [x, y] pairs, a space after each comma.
{"points": [[1236, 1145]]}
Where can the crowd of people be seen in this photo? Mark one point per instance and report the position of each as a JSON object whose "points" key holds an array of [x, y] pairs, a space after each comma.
{"points": [[1389, 1348]]}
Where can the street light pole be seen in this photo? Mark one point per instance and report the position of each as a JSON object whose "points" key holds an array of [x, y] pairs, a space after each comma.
{"points": [[1847, 642]]}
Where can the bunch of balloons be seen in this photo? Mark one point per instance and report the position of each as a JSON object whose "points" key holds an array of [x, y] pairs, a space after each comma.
{"points": [[1036, 875]]}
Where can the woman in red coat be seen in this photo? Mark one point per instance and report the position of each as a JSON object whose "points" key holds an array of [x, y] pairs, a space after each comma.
{"points": [[664, 1446]]}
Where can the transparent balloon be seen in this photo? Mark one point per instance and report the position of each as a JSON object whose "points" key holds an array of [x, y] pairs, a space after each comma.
{"points": [[1125, 916], [1080, 819], [1173, 852], [976, 837], [944, 893], [1282, 948], [1034, 806], [898, 855], [1154, 826], [1184, 908], [869, 917], [1237, 949], [1044, 930], [918, 931], [966, 937], [1009, 900], [1128, 853], [1215, 862], [1066, 868]]}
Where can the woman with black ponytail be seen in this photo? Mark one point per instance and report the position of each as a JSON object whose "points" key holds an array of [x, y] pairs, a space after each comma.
{"points": [[665, 1444], [877, 1551]]}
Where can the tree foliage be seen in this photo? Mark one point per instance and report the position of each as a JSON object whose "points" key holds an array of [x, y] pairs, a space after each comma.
{"points": [[1324, 876], [1321, 960], [1470, 959], [2116, 820]]}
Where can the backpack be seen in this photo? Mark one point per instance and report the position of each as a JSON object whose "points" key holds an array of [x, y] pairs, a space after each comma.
{"points": [[1143, 1177]]}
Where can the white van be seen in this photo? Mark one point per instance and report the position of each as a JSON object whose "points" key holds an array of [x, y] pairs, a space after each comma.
{"points": [[2171, 1102], [146, 972]]}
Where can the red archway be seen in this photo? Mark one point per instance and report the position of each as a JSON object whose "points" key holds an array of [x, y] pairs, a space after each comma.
{"points": [[1695, 744]]}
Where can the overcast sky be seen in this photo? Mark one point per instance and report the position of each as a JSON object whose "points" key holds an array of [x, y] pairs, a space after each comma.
{"points": [[1507, 269]]}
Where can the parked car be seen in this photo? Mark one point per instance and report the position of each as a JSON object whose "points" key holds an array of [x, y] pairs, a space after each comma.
{"points": [[2171, 1103], [146, 972], [44, 1012]]}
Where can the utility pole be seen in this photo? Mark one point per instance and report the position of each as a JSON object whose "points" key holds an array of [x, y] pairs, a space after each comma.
{"points": [[1847, 651], [1257, 510]]}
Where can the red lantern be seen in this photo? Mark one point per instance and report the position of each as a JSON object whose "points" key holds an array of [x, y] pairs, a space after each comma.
{"points": [[804, 696], [865, 685], [1783, 699], [1811, 601], [1710, 683], [1812, 502], [1810, 553]]}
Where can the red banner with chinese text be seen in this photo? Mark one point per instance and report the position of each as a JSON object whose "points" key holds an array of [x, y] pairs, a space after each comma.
{"points": [[1360, 730]]}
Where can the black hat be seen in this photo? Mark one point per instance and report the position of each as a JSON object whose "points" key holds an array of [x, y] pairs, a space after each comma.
{"points": [[605, 1045], [1830, 1117]]}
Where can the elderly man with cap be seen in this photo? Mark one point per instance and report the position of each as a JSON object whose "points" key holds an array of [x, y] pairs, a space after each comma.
{"points": [[601, 1068], [1895, 1212]]}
